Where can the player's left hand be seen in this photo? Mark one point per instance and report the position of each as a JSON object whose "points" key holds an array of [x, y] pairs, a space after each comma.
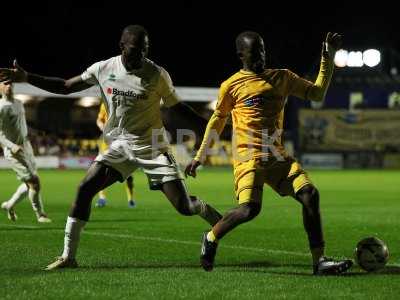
{"points": [[190, 169], [333, 42]]}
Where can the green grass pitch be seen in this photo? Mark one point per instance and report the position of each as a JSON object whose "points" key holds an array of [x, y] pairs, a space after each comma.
{"points": [[151, 252]]}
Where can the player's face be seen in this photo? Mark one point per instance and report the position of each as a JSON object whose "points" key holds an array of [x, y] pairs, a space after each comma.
{"points": [[253, 55], [134, 50], [6, 89]]}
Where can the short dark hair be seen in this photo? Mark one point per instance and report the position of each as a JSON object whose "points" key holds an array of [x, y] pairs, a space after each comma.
{"points": [[136, 30], [240, 39]]}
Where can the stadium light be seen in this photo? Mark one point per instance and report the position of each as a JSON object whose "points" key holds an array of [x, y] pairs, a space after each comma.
{"points": [[357, 59], [341, 57], [88, 101], [371, 57]]}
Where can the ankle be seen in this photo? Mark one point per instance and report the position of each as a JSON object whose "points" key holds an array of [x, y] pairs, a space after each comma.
{"points": [[211, 237]]}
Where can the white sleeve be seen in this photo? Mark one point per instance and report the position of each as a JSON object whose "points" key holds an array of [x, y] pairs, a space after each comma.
{"points": [[4, 142], [91, 75], [166, 89]]}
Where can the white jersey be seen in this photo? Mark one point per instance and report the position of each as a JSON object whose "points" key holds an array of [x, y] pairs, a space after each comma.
{"points": [[13, 129], [132, 99]]}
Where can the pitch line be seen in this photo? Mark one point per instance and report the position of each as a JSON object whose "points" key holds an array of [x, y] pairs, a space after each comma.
{"points": [[162, 240], [173, 241]]}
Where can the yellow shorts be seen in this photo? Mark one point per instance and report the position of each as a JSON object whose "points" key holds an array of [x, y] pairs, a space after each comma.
{"points": [[285, 177]]}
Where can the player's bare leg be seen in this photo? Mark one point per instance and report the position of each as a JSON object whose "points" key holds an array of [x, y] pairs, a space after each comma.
{"points": [[177, 194], [98, 177], [244, 212], [308, 196], [36, 199]]}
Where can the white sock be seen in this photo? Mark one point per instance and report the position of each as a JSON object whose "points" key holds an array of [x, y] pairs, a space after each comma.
{"points": [[36, 201], [73, 229], [19, 194]]}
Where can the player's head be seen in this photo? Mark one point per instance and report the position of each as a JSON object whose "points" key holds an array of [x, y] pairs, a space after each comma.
{"points": [[6, 90], [134, 46], [251, 51]]}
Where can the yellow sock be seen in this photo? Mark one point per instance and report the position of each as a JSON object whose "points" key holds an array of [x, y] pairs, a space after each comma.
{"points": [[102, 194], [211, 237], [129, 192]]}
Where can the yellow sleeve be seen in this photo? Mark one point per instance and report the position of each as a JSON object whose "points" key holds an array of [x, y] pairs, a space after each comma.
{"points": [[297, 86], [305, 89], [102, 115], [225, 101], [217, 122], [318, 91]]}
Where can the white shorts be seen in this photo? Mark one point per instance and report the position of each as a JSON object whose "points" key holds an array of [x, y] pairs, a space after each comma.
{"points": [[23, 162], [158, 165]]}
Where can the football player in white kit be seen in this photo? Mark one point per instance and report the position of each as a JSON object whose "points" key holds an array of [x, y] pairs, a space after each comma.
{"points": [[18, 151], [132, 87]]}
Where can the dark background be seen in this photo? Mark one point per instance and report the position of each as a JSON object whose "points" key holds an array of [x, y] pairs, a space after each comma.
{"points": [[194, 41]]}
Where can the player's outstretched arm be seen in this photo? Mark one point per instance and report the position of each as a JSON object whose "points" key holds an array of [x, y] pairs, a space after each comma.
{"points": [[215, 125], [50, 84], [331, 44]]}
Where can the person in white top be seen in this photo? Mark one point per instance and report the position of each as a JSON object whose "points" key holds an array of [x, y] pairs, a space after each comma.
{"points": [[18, 151], [132, 87]]}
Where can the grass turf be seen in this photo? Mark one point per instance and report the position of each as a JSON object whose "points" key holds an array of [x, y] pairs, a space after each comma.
{"points": [[152, 252]]}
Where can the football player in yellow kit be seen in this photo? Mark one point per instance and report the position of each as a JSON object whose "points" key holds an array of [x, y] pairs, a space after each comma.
{"points": [[102, 201], [255, 96]]}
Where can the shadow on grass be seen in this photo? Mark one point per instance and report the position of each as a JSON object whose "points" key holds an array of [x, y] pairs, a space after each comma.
{"points": [[252, 265], [264, 267], [388, 270], [261, 267]]}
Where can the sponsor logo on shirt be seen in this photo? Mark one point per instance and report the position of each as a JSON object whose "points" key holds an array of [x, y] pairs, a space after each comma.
{"points": [[254, 101], [127, 94]]}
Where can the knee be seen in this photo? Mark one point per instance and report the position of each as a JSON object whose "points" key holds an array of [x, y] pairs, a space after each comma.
{"points": [[187, 210], [189, 206], [309, 196], [84, 188], [34, 184], [250, 210]]}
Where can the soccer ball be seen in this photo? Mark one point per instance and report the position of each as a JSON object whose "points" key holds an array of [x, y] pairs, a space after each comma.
{"points": [[371, 254]]}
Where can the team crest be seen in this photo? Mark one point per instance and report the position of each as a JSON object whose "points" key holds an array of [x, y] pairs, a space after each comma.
{"points": [[112, 77]]}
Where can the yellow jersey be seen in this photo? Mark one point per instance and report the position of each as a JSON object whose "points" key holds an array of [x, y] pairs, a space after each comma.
{"points": [[102, 115], [256, 103]]}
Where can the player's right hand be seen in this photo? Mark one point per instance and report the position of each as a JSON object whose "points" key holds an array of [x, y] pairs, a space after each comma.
{"points": [[17, 74], [15, 149], [190, 169]]}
